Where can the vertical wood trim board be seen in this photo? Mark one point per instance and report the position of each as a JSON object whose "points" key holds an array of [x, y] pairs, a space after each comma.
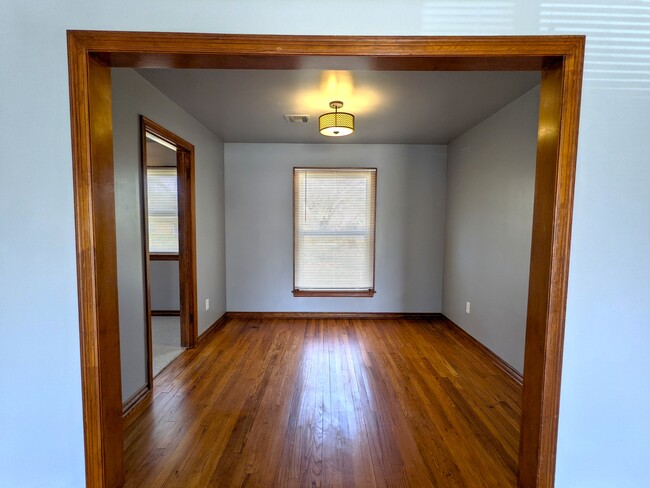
{"points": [[92, 149]]}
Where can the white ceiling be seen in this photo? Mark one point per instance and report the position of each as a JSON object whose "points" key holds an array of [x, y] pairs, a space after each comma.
{"points": [[396, 107]]}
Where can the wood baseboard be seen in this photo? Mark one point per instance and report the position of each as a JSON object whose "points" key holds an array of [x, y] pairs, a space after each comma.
{"points": [[214, 327], [133, 413], [129, 406], [165, 313], [500, 363], [333, 315]]}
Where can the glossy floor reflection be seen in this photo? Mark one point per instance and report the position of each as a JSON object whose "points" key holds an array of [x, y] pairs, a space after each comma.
{"points": [[328, 403]]}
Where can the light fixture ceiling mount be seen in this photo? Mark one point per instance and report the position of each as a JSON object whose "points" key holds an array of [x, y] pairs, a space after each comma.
{"points": [[336, 124]]}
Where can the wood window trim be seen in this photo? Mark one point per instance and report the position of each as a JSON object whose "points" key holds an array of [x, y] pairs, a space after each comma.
{"points": [[91, 54], [334, 293], [163, 256]]}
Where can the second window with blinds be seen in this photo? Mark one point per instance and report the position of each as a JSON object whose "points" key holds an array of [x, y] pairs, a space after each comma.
{"points": [[334, 231], [162, 207]]}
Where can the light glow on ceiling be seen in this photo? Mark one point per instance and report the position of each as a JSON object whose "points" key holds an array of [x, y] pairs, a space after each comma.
{"points": [[338, 85]]}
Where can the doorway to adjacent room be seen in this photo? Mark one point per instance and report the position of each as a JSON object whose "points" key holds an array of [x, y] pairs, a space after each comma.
{"points": [[92, 54]]}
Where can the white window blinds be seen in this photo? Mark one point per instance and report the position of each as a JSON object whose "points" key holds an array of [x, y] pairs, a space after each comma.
{"points": [[162, 207], [334, 229]]}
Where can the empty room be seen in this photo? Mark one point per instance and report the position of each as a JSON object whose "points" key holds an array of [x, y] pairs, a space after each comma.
{"points": [[359, 252], [232, 368]]}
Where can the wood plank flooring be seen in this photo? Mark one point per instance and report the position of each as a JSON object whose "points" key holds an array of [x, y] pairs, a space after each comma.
{"points": [[324, 402]]}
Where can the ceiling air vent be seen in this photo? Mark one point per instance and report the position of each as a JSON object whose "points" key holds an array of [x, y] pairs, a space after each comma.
{"points": [[297, 119]]}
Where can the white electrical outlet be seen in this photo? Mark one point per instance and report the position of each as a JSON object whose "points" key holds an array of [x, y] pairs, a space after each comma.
{"points": [[207, 304], [467, 307]]}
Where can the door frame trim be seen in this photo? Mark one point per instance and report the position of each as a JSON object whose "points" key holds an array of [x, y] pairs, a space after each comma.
{"points": [[91, 54], [186, 237]]}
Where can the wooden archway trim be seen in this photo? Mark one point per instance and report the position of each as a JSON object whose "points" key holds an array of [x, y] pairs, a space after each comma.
{"points": [[91, 54]]}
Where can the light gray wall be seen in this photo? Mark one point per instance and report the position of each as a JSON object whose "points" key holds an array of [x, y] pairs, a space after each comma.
{"points": [[604, 431], [132, 96], [490, 191], [164, 285], [410, 224]]}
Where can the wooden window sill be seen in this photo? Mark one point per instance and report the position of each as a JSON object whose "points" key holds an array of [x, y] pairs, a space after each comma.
{"points": [[163, 256], [334, 293]]}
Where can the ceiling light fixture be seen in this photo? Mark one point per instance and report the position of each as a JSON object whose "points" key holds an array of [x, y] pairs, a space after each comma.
{"points": [[336, 124]]}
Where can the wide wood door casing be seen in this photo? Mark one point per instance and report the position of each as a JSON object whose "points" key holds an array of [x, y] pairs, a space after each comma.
{"points": [[92, 53]]}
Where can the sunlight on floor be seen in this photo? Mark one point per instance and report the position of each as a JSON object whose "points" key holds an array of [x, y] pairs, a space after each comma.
{"points": [[166, 339]]}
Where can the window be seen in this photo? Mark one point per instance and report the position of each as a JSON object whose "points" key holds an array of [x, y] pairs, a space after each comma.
{"points": [[334, 231], [162, 207]]}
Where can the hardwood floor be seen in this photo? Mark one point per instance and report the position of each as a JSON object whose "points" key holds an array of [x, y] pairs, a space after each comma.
{"points": [[324, 402]]}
